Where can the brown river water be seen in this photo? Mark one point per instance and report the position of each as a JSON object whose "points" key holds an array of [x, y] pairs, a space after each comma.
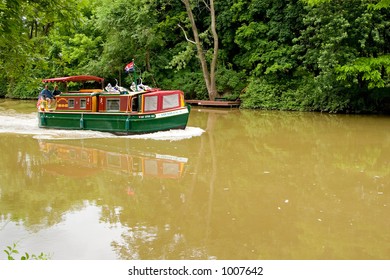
{"points": [[236, 184]]}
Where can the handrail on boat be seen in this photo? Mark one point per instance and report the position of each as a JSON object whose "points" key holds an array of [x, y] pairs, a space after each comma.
{"points": [[43, 105]]}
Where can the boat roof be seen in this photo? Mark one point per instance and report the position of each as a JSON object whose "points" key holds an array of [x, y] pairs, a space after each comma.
{"points": [[80, 78]]}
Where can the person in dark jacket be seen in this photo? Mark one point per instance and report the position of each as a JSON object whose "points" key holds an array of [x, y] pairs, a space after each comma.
{"points": [[56, 91]]}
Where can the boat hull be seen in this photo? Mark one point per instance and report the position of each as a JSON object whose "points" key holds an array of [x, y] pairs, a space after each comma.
{"points": [[118, 123]]}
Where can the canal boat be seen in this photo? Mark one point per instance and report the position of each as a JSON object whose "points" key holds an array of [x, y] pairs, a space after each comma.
{"points": [[112, 108]]}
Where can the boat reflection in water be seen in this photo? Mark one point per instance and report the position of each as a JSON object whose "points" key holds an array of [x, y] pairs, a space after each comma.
{"points": [[81, 161]]}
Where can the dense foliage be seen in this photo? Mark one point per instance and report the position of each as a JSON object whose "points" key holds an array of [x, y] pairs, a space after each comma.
{"points": [[320, 55]]}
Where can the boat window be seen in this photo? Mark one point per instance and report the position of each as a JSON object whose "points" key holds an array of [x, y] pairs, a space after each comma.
{"points": [[171, 101], [70, 103], [150, 103], [112, 104], [83, 103]]}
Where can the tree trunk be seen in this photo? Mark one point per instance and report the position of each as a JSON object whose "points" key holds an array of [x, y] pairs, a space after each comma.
{"points": [[31, 30], [149, 67], [213, 90], [46, 28], [209, 76]]}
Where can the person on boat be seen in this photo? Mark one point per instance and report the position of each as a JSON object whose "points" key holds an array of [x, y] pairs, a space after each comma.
{"points": [[56, 91], [46, 94]]}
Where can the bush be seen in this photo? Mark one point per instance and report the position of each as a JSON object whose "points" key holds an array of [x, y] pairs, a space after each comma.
{"points": [[192, 83], [230, 83], [301, 94], [24, 88], [261, 94]]}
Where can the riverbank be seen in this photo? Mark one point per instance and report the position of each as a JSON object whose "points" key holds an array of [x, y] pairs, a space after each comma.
{"points": [[383, 108]]}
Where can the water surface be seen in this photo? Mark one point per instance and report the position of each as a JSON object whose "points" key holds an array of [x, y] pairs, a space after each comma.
{"points": [[234, 185]]}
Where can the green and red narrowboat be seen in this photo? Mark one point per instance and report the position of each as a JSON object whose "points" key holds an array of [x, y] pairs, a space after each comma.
{"points": [[113, 109]]}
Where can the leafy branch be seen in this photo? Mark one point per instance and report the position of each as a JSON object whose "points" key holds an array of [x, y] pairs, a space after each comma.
{"points": [[12, 251]]}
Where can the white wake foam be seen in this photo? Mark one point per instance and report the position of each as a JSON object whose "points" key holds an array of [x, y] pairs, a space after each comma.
{"points": [[11, 122]]}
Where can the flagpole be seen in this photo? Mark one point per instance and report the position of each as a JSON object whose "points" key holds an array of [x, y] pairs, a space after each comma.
{"points": [[135, 76]]}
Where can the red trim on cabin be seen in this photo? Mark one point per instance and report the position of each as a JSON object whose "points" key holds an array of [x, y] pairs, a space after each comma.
{"points": [[64, 102], [124, 102], [160, 95]]}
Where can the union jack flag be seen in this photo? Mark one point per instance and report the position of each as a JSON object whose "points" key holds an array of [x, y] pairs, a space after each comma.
{"points": [[129, 67]]}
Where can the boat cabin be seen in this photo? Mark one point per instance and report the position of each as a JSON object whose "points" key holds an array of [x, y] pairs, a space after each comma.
{"points": [[98, 100], [142, 102]]}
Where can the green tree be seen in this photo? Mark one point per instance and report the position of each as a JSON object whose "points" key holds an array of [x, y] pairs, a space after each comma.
{"points": [[24, 42], [343, 45], [73, 45], [322, 55], [265, 35], [137, 30]]}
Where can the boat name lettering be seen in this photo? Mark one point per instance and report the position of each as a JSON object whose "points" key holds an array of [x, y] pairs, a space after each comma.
{"points": [[172, 113], [147, 117]]}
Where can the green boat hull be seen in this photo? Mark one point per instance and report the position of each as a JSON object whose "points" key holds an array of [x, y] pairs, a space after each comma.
{"points": [[118, 123]]}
